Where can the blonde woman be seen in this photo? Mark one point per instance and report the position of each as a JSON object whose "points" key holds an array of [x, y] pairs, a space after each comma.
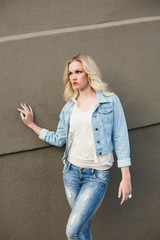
{"points": [[92, 124]]}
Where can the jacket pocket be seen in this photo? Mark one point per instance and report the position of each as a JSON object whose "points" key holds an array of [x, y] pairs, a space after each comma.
{"points": [[106, 114], [105, 109]]}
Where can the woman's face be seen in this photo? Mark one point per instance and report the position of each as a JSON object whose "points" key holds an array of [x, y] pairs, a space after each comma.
{"points": [[77, 76]]}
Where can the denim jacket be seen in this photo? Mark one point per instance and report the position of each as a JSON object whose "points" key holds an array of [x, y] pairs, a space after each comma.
{"points": [[109, 129]]}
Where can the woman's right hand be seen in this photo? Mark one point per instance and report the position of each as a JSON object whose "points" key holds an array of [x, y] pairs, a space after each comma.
{"points": [[26, 114]]}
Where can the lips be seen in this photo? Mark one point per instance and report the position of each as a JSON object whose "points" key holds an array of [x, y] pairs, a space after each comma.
{"points": [[75, 83]]}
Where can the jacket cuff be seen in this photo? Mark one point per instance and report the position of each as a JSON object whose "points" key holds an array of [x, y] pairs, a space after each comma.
{"points": [[43, 133], [126, 162]]}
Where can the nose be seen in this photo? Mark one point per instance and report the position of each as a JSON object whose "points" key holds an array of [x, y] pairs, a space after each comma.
{"points": [[74, 76]]}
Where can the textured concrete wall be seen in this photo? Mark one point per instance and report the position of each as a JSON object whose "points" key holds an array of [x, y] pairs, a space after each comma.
{"points": [[21, 16], [33, 203], [36, 39]]}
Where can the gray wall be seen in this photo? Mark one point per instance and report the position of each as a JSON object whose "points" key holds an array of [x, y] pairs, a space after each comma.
{"points": [[36, 39]]}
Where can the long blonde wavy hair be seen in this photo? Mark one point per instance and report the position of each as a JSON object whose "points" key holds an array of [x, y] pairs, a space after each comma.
{"points": [[94, 77]]}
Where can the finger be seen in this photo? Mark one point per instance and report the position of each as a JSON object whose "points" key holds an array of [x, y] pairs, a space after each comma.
{"points": [[25, 107], [22, 105], [21, 110], [127, 196], [119, 193], [30, 109], [21, 114], [123, 200]]}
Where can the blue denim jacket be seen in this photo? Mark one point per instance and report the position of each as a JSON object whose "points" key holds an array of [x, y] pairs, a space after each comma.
{"points": [[109, 129]]}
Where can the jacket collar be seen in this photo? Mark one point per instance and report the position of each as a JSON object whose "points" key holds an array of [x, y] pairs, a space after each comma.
{"points": [[101, 98]]}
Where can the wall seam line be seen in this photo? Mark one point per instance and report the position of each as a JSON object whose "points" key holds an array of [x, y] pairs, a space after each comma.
{"points": [[38, 148], [79, 28]]}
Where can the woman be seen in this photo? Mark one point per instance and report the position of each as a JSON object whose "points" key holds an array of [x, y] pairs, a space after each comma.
{"points": [[92, 123]]}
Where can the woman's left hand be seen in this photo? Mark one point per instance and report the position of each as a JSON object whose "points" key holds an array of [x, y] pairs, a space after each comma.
{"points": [[125, 189]]}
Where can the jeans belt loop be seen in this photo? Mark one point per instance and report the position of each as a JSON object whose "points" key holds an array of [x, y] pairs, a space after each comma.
{"points": [[93, 170], [64, 161]]}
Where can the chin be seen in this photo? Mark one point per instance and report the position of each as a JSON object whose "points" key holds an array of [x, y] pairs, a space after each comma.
{"points": [[77, 87]]}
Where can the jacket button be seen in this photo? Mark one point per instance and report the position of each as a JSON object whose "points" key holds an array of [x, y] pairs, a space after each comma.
{"points": [[96, 129], [100, 153], [98, 141], [95, 116]]}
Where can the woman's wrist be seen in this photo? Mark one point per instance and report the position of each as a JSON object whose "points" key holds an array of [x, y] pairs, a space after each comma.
{"points": [[35, 128], [31, 125], [125, 173]]}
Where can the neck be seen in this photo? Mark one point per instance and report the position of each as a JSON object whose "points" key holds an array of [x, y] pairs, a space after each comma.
{"points": [[87, 93]]}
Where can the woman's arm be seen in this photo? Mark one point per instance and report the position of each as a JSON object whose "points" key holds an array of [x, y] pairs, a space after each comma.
{"points": [[122, 149], [57, 138], [120, 135]]}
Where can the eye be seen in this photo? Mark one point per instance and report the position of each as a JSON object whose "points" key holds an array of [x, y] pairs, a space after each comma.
{"points": [[69, 74], [79, 71]]}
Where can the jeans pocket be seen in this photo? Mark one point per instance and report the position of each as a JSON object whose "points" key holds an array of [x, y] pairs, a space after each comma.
{"points": [[66, 166], [102, 175]]}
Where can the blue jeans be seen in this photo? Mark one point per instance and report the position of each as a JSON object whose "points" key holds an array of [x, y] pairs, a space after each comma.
{"points": [[85, 189]]}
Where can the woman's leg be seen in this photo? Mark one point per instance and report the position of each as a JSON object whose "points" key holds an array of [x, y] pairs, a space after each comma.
{"points": [[71, 182], [85, 190]]}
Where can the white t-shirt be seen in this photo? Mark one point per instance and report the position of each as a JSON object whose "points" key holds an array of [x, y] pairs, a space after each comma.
{"points": [[82, 150]]}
